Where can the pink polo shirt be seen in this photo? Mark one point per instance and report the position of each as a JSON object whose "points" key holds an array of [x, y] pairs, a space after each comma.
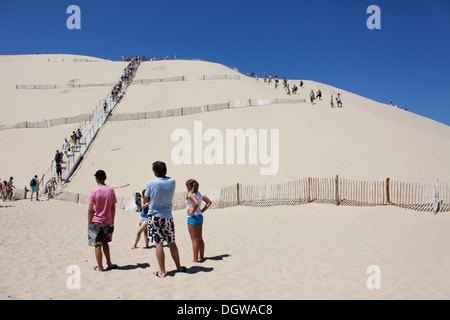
{"points": [[102, 197]]}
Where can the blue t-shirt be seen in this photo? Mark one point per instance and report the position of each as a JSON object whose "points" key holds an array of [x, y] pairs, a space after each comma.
{"points": [[144, 213], [160, 191]]}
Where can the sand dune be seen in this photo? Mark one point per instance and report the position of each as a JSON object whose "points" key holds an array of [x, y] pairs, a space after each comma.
{"points": [[311, 251], [303, 252], [363, 140], [38, 104]]}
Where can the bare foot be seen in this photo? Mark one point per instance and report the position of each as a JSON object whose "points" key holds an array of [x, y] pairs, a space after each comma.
{"points": [[159, 274]]}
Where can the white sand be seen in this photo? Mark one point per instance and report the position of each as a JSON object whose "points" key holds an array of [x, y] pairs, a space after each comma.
{"points": [[303, 252], [38, 104]]}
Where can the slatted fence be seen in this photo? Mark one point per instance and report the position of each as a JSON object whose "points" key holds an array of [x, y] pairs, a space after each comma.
{"points": [[431, 197]]}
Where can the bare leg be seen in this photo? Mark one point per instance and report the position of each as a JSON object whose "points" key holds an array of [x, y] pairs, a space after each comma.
{"points": [[106, 251], [161, 260], [175, 255], [142, 228], [99, 258], [201, 242], [193, 232]]}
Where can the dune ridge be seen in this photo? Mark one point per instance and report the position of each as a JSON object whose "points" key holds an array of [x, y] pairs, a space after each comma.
{"points": [[311, 251]]}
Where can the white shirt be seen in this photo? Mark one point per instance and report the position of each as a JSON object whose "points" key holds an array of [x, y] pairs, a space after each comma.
{"points": [[190, 204]]}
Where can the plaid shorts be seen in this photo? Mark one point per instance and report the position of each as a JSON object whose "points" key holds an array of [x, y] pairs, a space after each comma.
{"points": [[160, 230], [99, 233]]}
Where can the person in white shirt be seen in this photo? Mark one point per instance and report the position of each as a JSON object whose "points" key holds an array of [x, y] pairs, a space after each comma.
{"points": [[194, 199]]}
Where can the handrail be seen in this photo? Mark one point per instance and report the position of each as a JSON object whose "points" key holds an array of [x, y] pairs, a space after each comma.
{"points": [[89, 133]]}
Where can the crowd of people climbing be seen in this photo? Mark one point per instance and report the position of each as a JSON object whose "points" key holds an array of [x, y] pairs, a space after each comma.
{"points": [[295, 89]]}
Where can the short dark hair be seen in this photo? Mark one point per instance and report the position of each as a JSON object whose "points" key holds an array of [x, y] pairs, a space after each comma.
{"points": [[100, 175], [159, 168]]}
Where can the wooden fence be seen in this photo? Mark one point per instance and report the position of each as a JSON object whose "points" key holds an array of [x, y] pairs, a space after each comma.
{"points": [[414, 196]]}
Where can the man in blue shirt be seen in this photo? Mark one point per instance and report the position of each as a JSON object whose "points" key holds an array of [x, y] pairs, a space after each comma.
{"points": [[159, 194]]}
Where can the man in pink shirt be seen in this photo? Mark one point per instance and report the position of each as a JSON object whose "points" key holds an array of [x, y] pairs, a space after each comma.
{"points": [[102, 210]]}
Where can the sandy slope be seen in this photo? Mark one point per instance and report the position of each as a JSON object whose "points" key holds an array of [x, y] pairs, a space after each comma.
{"points": [[303, 252], [19, 105]]}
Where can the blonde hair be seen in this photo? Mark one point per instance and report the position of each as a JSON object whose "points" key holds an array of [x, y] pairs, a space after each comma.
{"points": [[194, 187]]}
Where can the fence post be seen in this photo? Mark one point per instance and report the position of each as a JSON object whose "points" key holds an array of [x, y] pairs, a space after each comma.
{"points": [[336, 195], [388, 197], [436, 196], [308, 186], [238, 199]]}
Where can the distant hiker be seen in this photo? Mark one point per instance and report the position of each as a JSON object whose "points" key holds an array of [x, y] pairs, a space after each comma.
{"points": [[339, 101], [34, 185], [294, 89], [9, 188], [312, 96], [66, 146], [59, 171], [51, 186], [79, 136], [4, 190], [332, 102], [319, 95], [58, 157]]}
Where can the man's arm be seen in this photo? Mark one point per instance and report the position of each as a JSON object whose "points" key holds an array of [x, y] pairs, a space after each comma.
{"points": [[90, 213], [113, 212]]}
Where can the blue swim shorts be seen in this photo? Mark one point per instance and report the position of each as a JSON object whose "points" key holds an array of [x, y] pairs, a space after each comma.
{"points": [[195, 220]]}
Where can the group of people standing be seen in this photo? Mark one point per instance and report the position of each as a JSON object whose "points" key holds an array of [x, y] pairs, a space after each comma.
{"points": [[7, 188], [156, 220]]}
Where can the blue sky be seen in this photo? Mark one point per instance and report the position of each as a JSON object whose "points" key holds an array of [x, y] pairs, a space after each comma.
{"points": [[406, 61]]}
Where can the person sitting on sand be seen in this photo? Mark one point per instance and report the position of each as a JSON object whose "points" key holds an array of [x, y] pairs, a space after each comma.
{"points": [[294, 89], [143, 223], [194, 199], [101, 213], [319, 95]]}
